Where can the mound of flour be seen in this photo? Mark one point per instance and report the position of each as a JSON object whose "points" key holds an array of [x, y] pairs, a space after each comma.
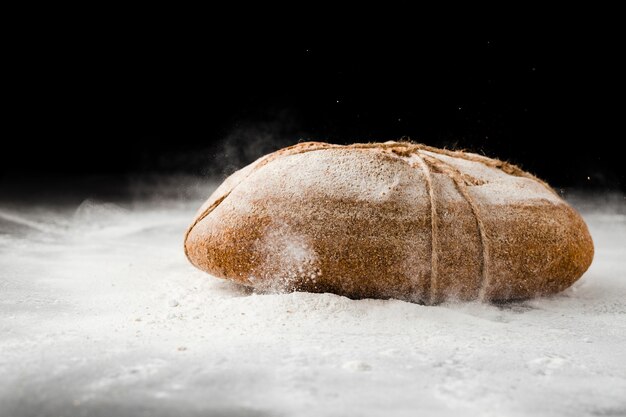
{"points": [[101, 314]]}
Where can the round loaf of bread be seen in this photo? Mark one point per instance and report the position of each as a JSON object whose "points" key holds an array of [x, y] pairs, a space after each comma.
{"points": [[390, 220]]}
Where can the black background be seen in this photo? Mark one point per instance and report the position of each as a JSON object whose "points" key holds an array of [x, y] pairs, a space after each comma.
{"points": [[88, 103]]}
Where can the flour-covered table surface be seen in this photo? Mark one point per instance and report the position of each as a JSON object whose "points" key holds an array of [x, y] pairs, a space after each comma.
{"points": [[101, 314]]}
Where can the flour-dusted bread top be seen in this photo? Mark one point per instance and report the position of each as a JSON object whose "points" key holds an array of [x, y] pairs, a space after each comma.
{"points": [[389, 220], [491, 184]]}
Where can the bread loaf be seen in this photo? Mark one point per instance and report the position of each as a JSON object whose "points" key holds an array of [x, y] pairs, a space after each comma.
{"points": [[390, 220]]}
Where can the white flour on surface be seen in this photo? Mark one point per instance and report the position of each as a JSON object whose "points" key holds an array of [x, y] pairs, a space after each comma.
{"points": [[101, 314]]}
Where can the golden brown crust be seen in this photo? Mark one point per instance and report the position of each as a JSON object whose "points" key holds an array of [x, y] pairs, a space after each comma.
{"points": [[396, 219]]}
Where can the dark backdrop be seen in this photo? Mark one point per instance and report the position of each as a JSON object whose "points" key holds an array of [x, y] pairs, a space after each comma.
{"points": [[86, 105]]}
